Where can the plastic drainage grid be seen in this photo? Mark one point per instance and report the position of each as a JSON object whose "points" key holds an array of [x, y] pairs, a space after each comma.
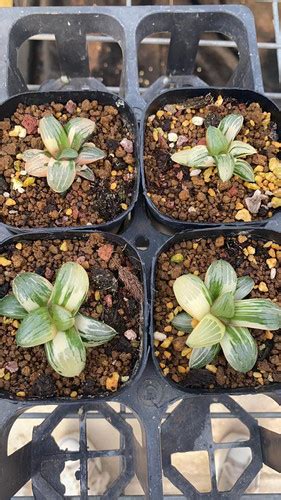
{"points": [[165, 429]]}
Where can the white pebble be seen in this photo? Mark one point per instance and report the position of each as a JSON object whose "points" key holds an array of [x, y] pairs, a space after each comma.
{"points": [[159, 336], [195, 172], [191, 210], [6, 194], [23, 172], [273, 272], [171, 145], [197, 120], [172, 137], [20, 190]]}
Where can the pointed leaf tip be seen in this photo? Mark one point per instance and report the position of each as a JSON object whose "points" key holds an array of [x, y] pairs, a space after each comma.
{"points": [[220, 278], [71, 287], [31, 290], [208, 332], [66, 353], [192, 295]]}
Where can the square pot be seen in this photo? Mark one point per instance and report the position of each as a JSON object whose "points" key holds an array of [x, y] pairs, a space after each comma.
{"points": [[109, 205], [179, 96], [186, 236], [138, 352]]}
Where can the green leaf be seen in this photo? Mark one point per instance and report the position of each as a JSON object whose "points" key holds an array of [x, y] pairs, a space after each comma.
{"points": [[257, 313], [196, 157], [220, 278], [245, 285], [53, 135], [68, 154], [71, 287], [225, 165], [61, 175], [85, 172], [62, 318], [90, 153], [216, 141], [78, 131], [66, 353], [208, 332], [192, 295], [244, 170], [202, 356], [223, 307], [230, 126], [239, 148], [31, 290], [182, 322], [36, 162], [36, 329], [11, 308], [239, 348], [93, 332]]}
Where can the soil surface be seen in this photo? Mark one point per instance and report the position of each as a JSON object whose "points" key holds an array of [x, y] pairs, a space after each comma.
{"points": [[204, 197], [249, 257], [85, 202], [115, 297]]}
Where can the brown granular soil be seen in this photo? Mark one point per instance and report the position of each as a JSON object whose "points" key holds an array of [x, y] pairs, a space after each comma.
{"points": [[197, 256], [190, 198], [91, 202], [109, 300]]}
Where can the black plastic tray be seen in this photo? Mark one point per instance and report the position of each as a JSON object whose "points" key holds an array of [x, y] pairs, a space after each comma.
{"points": [[179, 96], [148, 396]]}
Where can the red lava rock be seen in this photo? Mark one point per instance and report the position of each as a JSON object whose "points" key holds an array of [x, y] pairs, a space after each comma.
{"points": [[108, 300], [182, 139], [12, 366], [201, 142], [70, 107], [130, 335], [127, 145], [105, 252], [233, 191], [30, 123]]}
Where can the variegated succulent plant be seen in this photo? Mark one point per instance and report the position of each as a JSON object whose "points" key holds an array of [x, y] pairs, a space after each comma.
{"points": [[67, 153], [50, 316], [217, 318], [221, 151]]}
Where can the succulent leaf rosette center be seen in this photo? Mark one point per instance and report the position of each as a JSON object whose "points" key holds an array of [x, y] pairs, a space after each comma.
{"points": [[50, 316], [67, 153], [221, 151], [222, 317]]}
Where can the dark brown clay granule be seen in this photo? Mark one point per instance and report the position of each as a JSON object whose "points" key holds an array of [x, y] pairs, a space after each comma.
{"points": [[204, 197], [255, 258], [108, 366], [85, 202]]}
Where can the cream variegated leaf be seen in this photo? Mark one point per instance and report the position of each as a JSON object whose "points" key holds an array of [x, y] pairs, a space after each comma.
{"points": [[239, 348], [89, 154], [53, 135], [197, 157], [85, 172], [262, 314], [31, 290], [202, 356], [78, 131], [36, 162], [230, 126], [93, 332], [245, 285], [62, 318], [223, 306], [225, 166], [61, 175], [239, 148], [182, 322], [244, 170], [192, 295], [220, 278], [66, 353], [71, 287], [36, 328], [208, 332], [216, 141], [11, 308]]}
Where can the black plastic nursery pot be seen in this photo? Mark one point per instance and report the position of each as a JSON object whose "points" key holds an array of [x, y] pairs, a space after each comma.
{"points": [[111, 204], [138, 352], [180, 96], [203, 381]]}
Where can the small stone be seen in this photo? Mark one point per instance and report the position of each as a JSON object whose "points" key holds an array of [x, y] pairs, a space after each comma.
{"points": [[73, 394], [177, 258], [12, 366], [243, 215], [68, 211], [10, 202], [130, 335], [271, 262], [20, 394], [219, 242], [242, 238], [124, 206], [195, 172], [184, 195], [125, 378], [219, 101], [186, 351], [212, 193], [64, 247], [111, 383], [211, 368], [262, 287], [172, 137], [275, 202], [257, 375], [181, 369], [29, 181], [5, 262], [167, 342], [182, 139], [273, 272], [127, 145], [159, 336], [2, 372], [105, 252], [269, 334], [19, 246], [197, 120], [113, 186]]}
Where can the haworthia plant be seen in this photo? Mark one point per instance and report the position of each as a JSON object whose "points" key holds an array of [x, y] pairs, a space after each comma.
{"points": [[221, 151], [67, 153], [223, 318], [50, 316]]}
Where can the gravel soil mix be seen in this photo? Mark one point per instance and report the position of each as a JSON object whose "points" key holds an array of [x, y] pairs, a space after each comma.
{"points": [[86, 202], [256, 258], [115, 297], [204, 197]]}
